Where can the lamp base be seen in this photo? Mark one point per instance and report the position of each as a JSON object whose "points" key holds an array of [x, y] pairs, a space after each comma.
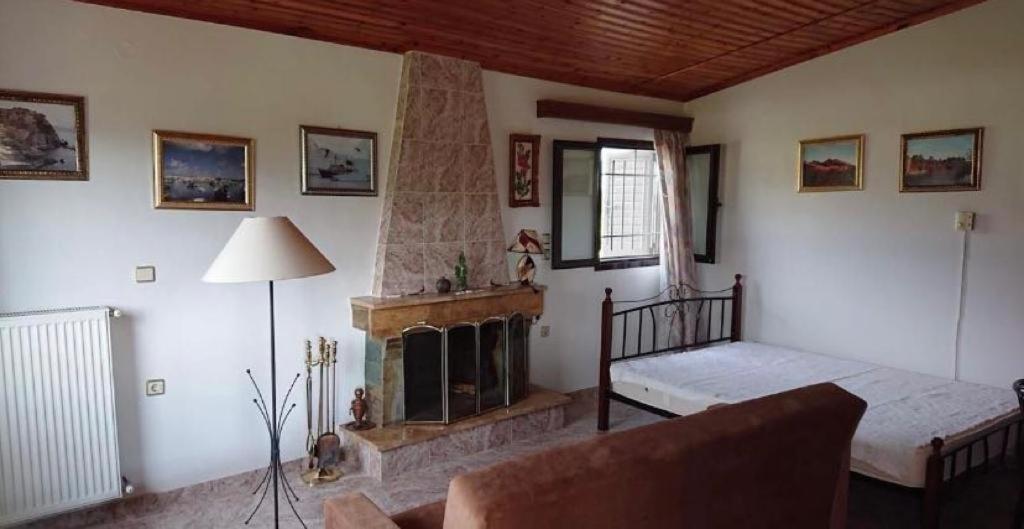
{"points": [[526, 270], [274, 478]]}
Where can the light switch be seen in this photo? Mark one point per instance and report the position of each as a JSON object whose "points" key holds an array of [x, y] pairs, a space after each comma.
{"points": [[145, 274], [964, 221], [545, 331], [155, 387]]}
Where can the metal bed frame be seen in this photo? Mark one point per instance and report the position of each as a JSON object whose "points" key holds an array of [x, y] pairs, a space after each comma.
{"points": [[949, 463]]}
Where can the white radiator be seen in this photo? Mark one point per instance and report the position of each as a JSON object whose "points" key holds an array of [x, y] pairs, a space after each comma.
{"points": [[58, 431]]}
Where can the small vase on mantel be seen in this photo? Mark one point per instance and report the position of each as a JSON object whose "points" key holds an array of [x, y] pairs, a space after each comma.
{"points": [[443, 285], [461, 273]]}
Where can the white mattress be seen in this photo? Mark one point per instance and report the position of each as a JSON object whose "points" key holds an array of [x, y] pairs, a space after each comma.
{"points": [[905, 409]]}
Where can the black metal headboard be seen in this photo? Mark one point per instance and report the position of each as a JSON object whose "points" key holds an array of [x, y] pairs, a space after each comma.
{"points": [[677, 319]]}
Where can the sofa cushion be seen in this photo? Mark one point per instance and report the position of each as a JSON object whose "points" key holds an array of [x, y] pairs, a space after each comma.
{"points": [[767, 463], [429, 516]]}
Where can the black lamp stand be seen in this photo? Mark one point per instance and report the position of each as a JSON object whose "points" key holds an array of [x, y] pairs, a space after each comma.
{"points": [[274, 473]]}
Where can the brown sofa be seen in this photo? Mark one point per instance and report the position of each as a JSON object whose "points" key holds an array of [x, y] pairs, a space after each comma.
{"points": [[776, 462]]}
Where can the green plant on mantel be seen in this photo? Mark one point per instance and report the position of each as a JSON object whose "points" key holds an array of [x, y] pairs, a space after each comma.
{"points": [[461, 273]]}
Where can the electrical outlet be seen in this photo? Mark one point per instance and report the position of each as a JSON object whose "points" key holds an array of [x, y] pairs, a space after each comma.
{"points": [[155, 387], [545, 331], [964, 221]]}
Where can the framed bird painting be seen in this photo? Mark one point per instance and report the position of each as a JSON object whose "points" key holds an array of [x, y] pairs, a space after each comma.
{"points": [[338, 161]]}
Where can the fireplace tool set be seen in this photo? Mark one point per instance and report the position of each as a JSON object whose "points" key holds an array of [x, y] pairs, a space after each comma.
{"points": [[323, 446]]}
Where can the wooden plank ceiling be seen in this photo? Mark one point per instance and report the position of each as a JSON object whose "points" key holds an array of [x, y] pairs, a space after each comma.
{"points": [[674, 49]]}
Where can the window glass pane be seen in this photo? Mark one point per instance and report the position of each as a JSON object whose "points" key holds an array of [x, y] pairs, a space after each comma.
{"points": [[577, 204], [698, 170], [630, 203]]}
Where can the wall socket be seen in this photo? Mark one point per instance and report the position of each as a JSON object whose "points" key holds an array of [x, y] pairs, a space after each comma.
{"points": [[964, 221], [545, 331], [155, 386]]}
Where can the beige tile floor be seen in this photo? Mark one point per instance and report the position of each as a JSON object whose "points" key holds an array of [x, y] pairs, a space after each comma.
{"points": [[225, 503]]}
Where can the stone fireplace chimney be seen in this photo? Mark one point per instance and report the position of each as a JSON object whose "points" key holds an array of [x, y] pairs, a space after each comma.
{"points": [[441, 194], [443, 357]]}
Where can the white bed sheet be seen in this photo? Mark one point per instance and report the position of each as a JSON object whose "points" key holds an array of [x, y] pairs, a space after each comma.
{"points": [[905, 409]]}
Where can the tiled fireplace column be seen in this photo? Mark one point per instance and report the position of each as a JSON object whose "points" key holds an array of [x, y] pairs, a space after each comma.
{"points": [[441, 197]]}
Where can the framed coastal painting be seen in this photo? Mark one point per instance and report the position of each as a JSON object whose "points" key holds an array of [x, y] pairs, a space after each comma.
{"points": [[831, 164], [42, 136], [338, 161], [202, 171], [947, 160], [523, 170]]}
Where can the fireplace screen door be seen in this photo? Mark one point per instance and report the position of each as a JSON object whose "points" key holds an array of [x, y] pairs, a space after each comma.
{"points": [[463, 370]]}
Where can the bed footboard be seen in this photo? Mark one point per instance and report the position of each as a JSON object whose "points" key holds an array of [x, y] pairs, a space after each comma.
{"points": [[676, 320], [954, 463]]}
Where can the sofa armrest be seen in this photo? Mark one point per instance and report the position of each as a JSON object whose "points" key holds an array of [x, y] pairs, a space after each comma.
{"points": [[355, 511]]}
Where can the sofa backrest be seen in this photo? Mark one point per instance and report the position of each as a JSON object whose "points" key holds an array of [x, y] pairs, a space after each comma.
{"points": [[774, 462]]}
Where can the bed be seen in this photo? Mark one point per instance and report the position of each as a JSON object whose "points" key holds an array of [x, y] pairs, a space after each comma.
{"points": [[919, 431]]}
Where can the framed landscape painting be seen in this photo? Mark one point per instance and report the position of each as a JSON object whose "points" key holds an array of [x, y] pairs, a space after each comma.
{"points": [[42, 136], [831, 164], [523, 170], [948, 160], [338, 161], [202, 171]]}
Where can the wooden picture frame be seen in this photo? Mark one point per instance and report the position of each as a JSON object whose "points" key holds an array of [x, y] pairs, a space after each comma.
{"points": [[830, 164], [338, 162], [57, 121], [523, 170], [211, 172], [943, 160]]}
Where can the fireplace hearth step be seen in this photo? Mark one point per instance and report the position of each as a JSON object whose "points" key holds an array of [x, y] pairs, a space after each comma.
{"points": [[388, 452]]}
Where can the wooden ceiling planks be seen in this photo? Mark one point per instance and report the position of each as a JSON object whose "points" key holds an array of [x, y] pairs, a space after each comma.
{"points": [[675, 49]]}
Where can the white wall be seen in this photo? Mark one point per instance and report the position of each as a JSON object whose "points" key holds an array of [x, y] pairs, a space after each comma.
{"points": [[873, 274], [76, 243]]}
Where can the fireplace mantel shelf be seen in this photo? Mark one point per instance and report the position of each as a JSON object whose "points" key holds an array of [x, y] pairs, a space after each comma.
{"points": [[385, 317]]}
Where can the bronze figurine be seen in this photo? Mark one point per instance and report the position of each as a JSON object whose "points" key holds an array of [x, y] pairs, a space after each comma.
{"points": [[358, 411]]}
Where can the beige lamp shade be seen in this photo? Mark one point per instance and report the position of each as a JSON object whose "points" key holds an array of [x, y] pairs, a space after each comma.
{"points": [[267, 249], [526, 242]]}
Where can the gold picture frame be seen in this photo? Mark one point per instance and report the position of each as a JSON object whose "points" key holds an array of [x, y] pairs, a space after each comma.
{"points": [[58, 118], [214, 172], [944, 165], [835, 163], [337, 162]]}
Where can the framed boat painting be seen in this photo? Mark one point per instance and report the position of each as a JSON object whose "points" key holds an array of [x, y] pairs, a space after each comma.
{"points": [[831, 164], [338, 162], [202, 171], [947, 160], [42, 136], [523, 170]]}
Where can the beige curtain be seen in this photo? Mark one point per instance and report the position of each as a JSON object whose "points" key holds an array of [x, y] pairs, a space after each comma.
{"points": [[676, 233]]}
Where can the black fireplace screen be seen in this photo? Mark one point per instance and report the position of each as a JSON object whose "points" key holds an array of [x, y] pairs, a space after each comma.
{"points": [[463, 370], [423, 366], [493, 379], [462, 376]]}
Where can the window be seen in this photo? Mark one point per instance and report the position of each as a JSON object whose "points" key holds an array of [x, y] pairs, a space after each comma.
{"points": [[607, 211], [630, 201], [702, 171]]}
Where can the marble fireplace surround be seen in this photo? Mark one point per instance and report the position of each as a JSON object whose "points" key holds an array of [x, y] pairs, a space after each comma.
{"points": [[385, 318], [441, 196]]}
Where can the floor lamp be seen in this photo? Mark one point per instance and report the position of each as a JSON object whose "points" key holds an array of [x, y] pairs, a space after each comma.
{"points": [[269, 249]]}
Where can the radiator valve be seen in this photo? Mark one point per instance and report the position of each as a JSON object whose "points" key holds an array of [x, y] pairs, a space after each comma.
{"points": [[127, 487]]}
